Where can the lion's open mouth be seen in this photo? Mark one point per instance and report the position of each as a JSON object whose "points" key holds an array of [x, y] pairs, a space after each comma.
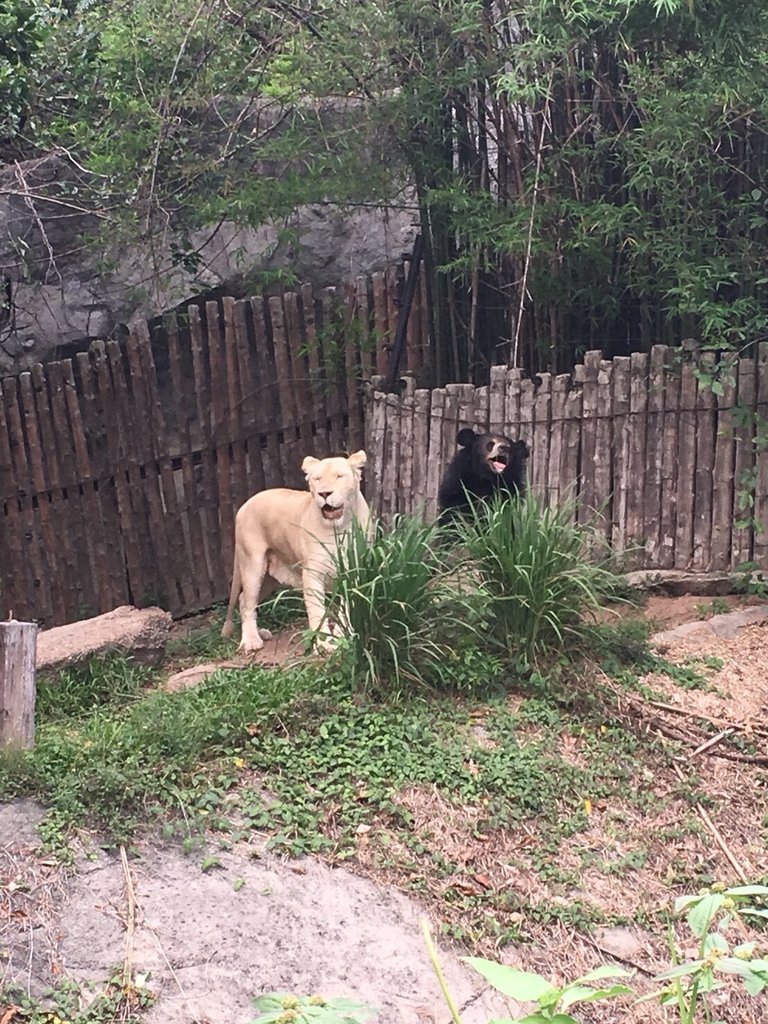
{"points": [[329, 512]]}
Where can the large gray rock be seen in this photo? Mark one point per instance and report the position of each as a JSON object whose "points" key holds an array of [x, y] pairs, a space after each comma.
{"points": [[679, 582], [66, 291], [726, 625], [141, 633]]}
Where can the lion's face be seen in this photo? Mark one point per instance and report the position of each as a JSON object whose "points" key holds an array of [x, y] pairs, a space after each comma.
{"points": [[334, 483]]}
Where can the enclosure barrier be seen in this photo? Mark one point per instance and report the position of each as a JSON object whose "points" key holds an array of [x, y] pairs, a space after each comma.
{"points": [[653, 455], [121, 469]]}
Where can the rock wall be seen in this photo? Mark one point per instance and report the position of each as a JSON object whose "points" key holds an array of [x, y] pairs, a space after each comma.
{"points": [[59, 291]]}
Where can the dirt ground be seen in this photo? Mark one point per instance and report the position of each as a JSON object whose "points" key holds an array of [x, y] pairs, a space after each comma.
{"points": [[208, 941]]}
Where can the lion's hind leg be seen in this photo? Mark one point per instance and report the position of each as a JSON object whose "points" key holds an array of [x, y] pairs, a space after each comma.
{"points": [[253, 570]]}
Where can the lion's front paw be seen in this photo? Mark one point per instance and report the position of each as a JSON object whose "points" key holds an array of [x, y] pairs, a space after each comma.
{"points": [[325, 644], [251, 645]]}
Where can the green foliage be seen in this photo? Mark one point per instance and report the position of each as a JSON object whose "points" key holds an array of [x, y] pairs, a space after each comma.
{"points": [[751, 580], [629, 193], [525, 986], [552, 1000], [689, 982], [532, 562], [122, 767], [62, 1004], [80, 691], [25, 26], [355, 755], [281, 1008], [406, 621]]}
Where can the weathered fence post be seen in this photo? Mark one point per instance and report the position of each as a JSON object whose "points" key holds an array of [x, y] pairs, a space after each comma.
{"points": [[18, 647]]}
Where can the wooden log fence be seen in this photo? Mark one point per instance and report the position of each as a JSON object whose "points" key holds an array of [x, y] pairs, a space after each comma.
{"points": [[121, 469], [655, 459]]}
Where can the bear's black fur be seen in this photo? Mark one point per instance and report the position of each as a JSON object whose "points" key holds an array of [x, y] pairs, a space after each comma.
{"points": [[484, 465]]}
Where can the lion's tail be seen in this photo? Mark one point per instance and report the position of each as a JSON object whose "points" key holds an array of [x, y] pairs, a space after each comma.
{"points": [[234, 592]]}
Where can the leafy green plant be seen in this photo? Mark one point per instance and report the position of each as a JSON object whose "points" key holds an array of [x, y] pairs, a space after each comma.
{"points": [[282, 1008], [400, 616], [552, 1001], [532, 562], [114, 1000], [708, 915], [717, 606], [751, 580], [25, 26]]}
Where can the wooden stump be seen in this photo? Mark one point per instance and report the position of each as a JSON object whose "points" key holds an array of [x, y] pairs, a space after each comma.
{"points": [[18, 647]]}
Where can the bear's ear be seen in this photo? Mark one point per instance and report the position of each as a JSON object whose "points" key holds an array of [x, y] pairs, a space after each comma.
{"points": [[466, 437], [522, 449]]}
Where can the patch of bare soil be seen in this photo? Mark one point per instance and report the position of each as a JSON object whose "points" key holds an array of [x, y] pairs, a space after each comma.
{"points": [[674, 611], [738, 691], [280, 651], [208, 941], [665, 612]]}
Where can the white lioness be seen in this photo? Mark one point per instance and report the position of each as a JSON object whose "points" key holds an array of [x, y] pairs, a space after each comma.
{"points": [[286, 537]]}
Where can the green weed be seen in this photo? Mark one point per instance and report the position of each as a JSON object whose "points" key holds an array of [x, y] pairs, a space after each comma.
{"points": [[717, 606], [709, 914], [113, 1001], [283, 1008]]}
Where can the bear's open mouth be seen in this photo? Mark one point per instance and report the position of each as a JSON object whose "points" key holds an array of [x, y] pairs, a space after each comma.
{"points": [[499, 464], [330, 512]]}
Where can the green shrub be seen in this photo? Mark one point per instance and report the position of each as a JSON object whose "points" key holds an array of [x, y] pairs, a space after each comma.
{"points": [[533, 564], [405, 621]]}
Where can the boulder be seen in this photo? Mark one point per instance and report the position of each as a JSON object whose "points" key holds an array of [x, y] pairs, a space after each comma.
{"points": [[726, 625], [140, 633], [679, 582]]}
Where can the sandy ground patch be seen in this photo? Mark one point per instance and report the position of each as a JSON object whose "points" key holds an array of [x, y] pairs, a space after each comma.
{"points": [[210, 941]]}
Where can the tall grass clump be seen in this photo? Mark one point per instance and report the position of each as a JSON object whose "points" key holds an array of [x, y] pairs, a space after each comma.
{"points": [[79, 690], [535, 567], [401, 620]]}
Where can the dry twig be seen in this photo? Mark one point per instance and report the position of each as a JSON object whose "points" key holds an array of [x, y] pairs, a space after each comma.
{"points": [[715, 833]]}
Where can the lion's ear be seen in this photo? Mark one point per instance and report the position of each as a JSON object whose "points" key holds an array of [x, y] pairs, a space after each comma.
{"points": [[357, 460], [308, 464]]}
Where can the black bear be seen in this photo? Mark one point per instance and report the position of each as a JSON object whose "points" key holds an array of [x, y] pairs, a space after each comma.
{"points": [[484, 465]]}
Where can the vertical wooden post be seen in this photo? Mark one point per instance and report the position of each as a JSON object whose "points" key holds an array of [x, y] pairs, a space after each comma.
{"points": [[18, 648]]}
